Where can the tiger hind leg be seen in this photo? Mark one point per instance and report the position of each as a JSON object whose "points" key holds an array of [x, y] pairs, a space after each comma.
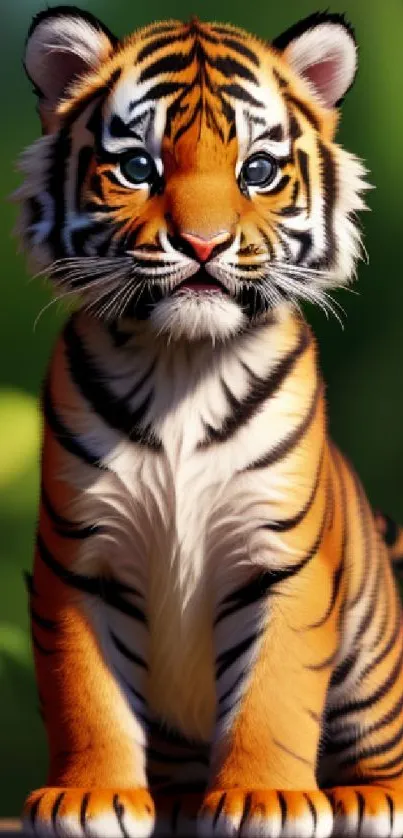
{"points": [[362, 762]]}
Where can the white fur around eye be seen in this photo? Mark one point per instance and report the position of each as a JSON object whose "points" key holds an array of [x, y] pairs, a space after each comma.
{"points": [[128, 184]]}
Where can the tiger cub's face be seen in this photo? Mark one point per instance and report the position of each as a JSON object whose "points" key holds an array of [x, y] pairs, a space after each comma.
{"points": [[188, 175]]}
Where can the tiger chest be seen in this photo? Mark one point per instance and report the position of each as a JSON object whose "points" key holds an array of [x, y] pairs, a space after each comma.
{"points": [[177, 533]]}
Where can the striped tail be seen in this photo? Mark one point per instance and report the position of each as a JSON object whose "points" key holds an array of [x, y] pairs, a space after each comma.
{"points": [[392, 534]]}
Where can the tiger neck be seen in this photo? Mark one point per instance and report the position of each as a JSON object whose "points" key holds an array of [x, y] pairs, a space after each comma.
{"points": [[196, 391]]}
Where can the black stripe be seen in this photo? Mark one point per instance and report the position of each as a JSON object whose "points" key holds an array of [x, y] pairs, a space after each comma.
{"points": [[230, 67], [134, 692], [246, 810], [368, 701], [83, 811], [109, 590], [111, 593], [227, 658], [379, 779], [40, 648], [211, 120], [295, 192], [231, 689], [174, 62], [361, 809], [43, 622], [261, 390], [304, 169], [119, 812], [294, 128], [164, 41], [113, 410], [337, 579], [291, 753], [391, 763], [237, 92], [159, 91], [376, 750], [219, 809], [248, 594], [286, 445], [286, 524], [329, 187], [303, 108], [241, 48], [325, 663], [281, 81], [391, 807], [64, 436], [176, 106], [275, 133], [64, 527], [283, 809], [128, 653], [118, 128], [187, 125], [304, 238], [33, 812], [275, 190], [387, 648], [55, 808], [344, 669], [261, 585], [85, 584], [312, 809]]}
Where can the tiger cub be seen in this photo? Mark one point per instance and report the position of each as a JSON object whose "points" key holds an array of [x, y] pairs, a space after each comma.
{"points": [[215, 621]]}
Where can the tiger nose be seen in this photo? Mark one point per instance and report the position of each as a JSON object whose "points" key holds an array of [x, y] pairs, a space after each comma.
{"points": [[203, 248]]}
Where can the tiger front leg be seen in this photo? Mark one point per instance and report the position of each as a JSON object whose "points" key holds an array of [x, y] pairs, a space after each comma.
{"points": [[96, 783], [274, 643]]}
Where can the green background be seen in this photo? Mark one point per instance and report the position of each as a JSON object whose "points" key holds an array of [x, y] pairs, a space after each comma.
{"points": [[362, 364]]}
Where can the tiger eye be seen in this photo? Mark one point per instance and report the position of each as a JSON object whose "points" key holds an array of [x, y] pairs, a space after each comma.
{"points": [[138, 168], [259, 170]]}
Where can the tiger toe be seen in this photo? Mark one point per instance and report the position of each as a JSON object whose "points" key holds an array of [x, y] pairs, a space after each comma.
{"points": [[95, 813], [366, 811], [265, 814]]}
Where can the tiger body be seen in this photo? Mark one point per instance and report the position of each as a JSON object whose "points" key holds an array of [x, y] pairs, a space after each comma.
{"points": [[214, 614]]}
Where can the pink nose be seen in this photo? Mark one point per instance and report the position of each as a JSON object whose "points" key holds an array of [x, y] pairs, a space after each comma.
{"points": [[203, 248]]}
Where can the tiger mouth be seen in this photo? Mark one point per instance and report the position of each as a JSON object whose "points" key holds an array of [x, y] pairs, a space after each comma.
{"points": [[200, 283]]}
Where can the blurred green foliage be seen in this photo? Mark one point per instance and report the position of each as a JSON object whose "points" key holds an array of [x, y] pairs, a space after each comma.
{"points": [[362, 364]]}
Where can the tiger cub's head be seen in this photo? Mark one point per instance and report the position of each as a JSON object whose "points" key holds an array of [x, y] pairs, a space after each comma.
{"points": [[188, 175]]}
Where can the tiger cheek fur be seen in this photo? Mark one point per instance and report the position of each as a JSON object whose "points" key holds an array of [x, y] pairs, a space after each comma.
{"points": [[215, 620]]}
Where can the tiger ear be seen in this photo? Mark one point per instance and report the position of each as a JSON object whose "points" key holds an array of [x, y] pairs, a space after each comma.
{"points": [[62, 44], [323, 50]]}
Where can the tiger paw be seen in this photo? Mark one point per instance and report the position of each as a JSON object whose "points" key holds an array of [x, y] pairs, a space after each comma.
{"points": [[95, 813], [265, 814], [367, 811]]}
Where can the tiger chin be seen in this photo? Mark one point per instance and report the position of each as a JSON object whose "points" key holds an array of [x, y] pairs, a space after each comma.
{"points": [[215, 620]]}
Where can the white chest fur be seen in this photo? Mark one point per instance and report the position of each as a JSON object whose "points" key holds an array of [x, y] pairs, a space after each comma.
{"points": [[182, 523]]}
